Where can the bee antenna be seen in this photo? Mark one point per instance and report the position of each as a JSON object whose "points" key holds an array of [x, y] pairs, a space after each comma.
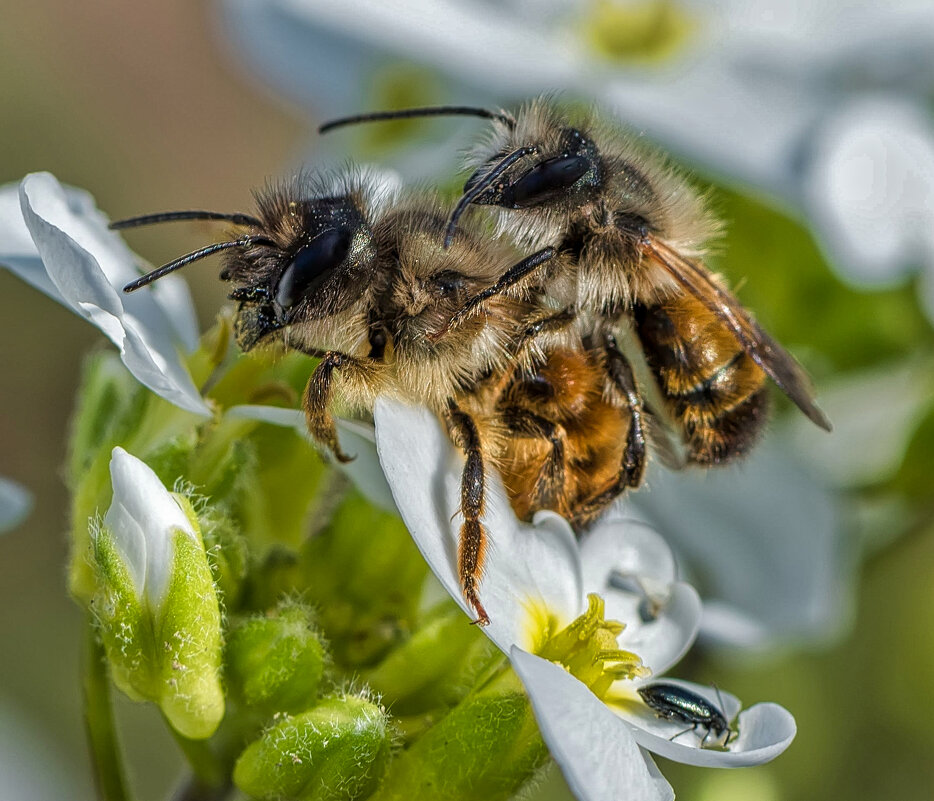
{"points": [[172, 216], [468, 197], [188, 258], [424, 111]]}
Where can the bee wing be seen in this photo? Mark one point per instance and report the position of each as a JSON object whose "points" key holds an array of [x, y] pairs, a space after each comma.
{"points": [[775, 361]]}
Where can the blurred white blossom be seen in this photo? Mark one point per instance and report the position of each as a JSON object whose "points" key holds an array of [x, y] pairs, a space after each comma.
{"points": [[15, 504]]}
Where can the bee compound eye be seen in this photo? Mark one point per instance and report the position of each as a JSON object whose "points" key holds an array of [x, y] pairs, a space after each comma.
{"points": [[311, 265], [545, 179]]}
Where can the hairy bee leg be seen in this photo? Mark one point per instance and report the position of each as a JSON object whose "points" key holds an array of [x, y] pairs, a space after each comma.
{"points": [[634, 451], [508, 279], [552, 474], [634, 455], [549, 324], [471, 546], [317, 398]]}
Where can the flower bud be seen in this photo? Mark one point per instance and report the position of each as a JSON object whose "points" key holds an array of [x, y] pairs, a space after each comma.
{"points": [[337, 751], [486, 749], [275, 662], [156, 602]]}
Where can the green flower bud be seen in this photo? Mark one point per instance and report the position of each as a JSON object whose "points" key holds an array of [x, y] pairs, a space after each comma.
{"points": [[156, 602], [436, 666], [337, 751], [485, 749], [275, 662]]}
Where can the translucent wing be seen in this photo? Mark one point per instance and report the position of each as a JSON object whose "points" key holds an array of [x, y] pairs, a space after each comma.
{"points": [[774, 360]]}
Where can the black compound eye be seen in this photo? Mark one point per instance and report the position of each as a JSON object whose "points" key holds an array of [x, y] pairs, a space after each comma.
{"points": [[311, 266], [544, 180], [449, 282]]}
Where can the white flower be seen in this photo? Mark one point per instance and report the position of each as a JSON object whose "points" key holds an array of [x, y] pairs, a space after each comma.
{"points": [[155, 603], [823, 105], [55, 239], [548, 596], [15, 504], [871, 189], [143, 520]]}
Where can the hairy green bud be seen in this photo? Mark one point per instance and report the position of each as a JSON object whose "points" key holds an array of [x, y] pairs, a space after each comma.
{"points": [[337, 751], [275, 661]]}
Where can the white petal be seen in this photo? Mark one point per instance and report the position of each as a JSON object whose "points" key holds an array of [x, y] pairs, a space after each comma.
{"points": [[663, 641], [725, 625], [594, 749], [765, 730], [875, 414], [143, 519], [480, 44], [17, 250], [622, 546], [779, 557], [15, 504], [529, 568], [871, 188], [357, 439], [275, 415], [85, 263]]}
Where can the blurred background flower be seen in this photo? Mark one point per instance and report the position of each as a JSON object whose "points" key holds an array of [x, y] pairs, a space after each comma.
{"points": [[814, 121]]}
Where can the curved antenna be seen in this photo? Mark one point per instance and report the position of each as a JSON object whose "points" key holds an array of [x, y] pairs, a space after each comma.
{"points": [[468, 197], [188, 258], [424, 111], [172, 216]]}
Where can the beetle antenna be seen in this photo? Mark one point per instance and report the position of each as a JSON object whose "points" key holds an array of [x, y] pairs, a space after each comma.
{"points": [[424, 111], [484, 183], [172, 216], [188, 258]]}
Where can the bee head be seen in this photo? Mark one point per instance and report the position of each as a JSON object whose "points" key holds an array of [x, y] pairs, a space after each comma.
{"points": [[533, 176], [320, 257]]}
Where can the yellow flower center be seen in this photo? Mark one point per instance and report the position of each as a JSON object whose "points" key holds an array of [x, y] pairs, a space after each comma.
{"points": [[588, 648], [642, 31]]}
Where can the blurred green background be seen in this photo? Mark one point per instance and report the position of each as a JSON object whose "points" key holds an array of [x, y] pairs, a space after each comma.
{"points": [[140, 105]]}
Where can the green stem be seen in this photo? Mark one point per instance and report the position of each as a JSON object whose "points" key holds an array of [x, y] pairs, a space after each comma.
{"points": [[210, 775], [195, 790], [106, 758]]}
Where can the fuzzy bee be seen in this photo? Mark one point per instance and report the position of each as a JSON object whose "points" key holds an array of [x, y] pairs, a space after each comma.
{"points": [[360, 280], [630, 236]]}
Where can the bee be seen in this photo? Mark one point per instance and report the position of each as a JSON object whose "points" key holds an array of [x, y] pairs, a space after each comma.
{"points": [[361, 281], [630, 235]]}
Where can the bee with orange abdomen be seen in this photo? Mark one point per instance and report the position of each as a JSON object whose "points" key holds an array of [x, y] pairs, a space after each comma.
{"points": [[558, 441], [360, 280], [630, 235]]}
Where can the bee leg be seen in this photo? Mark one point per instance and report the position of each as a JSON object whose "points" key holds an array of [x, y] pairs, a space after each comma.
{"points": [[634, 451], [544, 325], [508, 279], [551, 477], [471, 547], [624, 381], [317, 398]]}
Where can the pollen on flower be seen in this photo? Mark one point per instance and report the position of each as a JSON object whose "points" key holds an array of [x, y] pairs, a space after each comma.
{"points": [[589, 650]]}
